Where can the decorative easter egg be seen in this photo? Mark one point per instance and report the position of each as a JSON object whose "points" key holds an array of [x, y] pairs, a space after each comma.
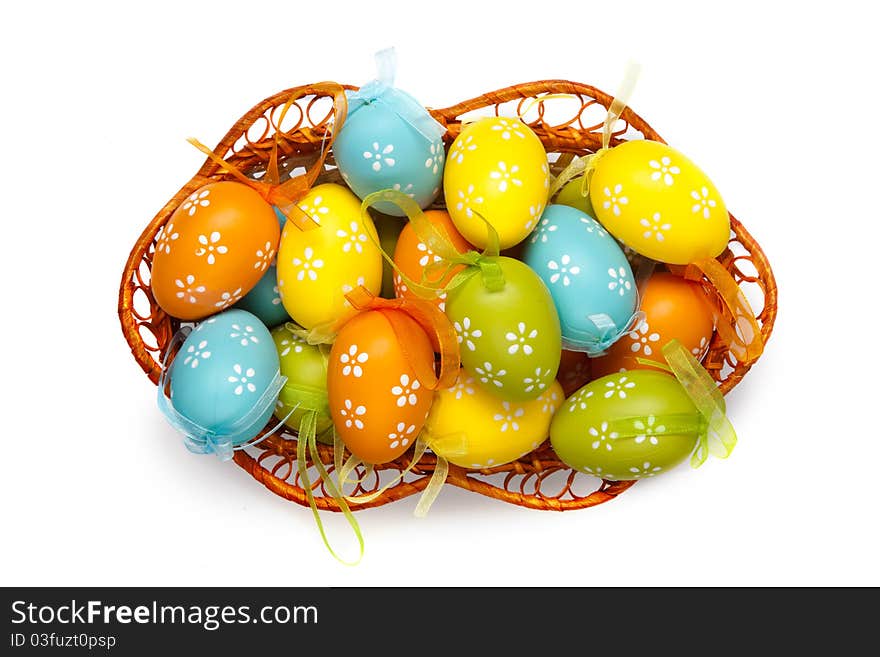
{"points": [[305, 367], [317, 267], [215, 247], [389, 231], [660, 421], [376, 400], [674, 308], [412, 256], [574, 370], [389, 141], [588, 275], [475, 429], [655, 200], [264, 300], [497, 167], [509, 338], [572, 195], [225, 378]]}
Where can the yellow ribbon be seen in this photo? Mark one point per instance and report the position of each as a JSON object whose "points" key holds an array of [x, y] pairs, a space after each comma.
{"points": [[720, 438], [585, 166]]}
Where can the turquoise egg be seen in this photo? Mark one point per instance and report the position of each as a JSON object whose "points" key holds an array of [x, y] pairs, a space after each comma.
{"points": [[587, 274], [264, 300], [377, 149], [280, 216], [224, 379]]}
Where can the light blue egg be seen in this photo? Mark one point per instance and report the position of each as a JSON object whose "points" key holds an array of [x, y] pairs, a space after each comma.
{"points": [[225, 380], [588, 275], [280, 215], [264, 300], [378, 149]]}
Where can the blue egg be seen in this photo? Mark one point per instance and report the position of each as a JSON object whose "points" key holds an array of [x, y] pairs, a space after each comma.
{"points": [[588, 275], [378, 148], [224, 382], [280, 216], [264, 300]]}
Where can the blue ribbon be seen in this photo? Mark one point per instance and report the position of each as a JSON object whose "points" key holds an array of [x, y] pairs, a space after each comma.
{"points": [[607, 333], [383, 92]]}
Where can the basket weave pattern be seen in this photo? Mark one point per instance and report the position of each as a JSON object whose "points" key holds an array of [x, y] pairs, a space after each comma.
{"points": [[538, 480]]}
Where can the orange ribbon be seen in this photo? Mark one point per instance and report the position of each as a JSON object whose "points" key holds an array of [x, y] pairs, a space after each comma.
{"points": [[430, 319], [737, 325], [285, 195]]}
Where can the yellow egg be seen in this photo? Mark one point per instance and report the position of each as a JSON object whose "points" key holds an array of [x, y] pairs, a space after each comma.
{"points": [[494, 431], [317, 267], [496, 167], [656, 201]]}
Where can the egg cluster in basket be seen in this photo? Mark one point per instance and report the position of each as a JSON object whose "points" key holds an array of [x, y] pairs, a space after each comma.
{"points": [[460, 298]]}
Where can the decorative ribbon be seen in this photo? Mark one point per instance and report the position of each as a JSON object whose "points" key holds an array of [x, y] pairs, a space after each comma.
{"points": [[585, 166], [607, 333], [737, 325], [430, 319], [285, 195], [718, 438], [382, 92], [222, 442]]}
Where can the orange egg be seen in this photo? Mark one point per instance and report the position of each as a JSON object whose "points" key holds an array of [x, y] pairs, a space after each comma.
{"points": [[377, 403], [411, 255], [574, 371], [674, 308], [213, 250]]}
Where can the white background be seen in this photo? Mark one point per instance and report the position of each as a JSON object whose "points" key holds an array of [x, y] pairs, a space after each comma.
{"points": [[776, 101]]}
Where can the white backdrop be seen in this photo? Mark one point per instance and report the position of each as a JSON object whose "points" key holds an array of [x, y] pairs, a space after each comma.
{"points": [[776, 104]]}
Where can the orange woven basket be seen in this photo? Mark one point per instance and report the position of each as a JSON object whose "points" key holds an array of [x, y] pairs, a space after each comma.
{"points": [[538, 480]]}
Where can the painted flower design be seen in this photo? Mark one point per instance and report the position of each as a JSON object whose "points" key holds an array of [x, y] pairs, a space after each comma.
{"points": [[427, 255], [354, 238], [308, 265], [551, 402], [649, 429], [315, 208], [435, 157], [352, 414], [596, 472], [654, 227], [194, 353], [244, 335], [700, 349], [401, 435], [664, 169], [601, 437], [537, 381], [399, 286], [352, 360], [619, 387], [276, 299], [506, 176], [407, 190], [619, 280], [441, 298], [509, 417], [380, 155], [519, 339], [534, 214], [228, 298], [406, 391], [210, 247], [291, 342], [544, 228], [264, 257], [166, 236], [462, 388], [614, 199], [466, 334], [466, 200], [488, 374], [579, 401], [593, 226], [187, 288], [242, 378], [546, 171], [197, 200], [562, 270], [702, 203], [646, 470], [509, 128], [642, 337], [461, 147]]}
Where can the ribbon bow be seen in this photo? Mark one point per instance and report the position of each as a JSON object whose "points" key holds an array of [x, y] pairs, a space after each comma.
{"points": [[607, 333]]}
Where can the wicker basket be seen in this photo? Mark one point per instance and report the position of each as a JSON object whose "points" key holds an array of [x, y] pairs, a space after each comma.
{"points": [[538, 480]]}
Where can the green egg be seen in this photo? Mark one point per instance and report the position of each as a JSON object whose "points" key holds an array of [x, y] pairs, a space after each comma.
{"points": [[305, 367], [629, 425], [571, 195], [510, 339]]}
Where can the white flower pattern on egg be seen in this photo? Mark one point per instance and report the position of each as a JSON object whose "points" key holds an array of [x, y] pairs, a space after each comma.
{"points": [[406, 391], [435, 157], [353, 414], [649, 429], [537, 381], [166, 236], [619, 280], [466, 334], [579, 400], [664, 169], [703, 204], [228, 298], [562, 269], [593, 226], [352, 360], [619, 387], [196, 200], [487, 374], [245, 335], [505, 176], [461, 147], [195, 353], [602, 437], [293, 342], [508, 417], [315, 208], [519, 339], [655, 227], [401, 435], [508, 128], [380, 155], [242, 379], [614, 199], [463, 388], [466, 200], [210, 247], [646, 470], [544, 228], [428, 255], [353, 238], [642, 338], [308, 265], [406, 190], [264, 257], [700, 349], [187, 288]]}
